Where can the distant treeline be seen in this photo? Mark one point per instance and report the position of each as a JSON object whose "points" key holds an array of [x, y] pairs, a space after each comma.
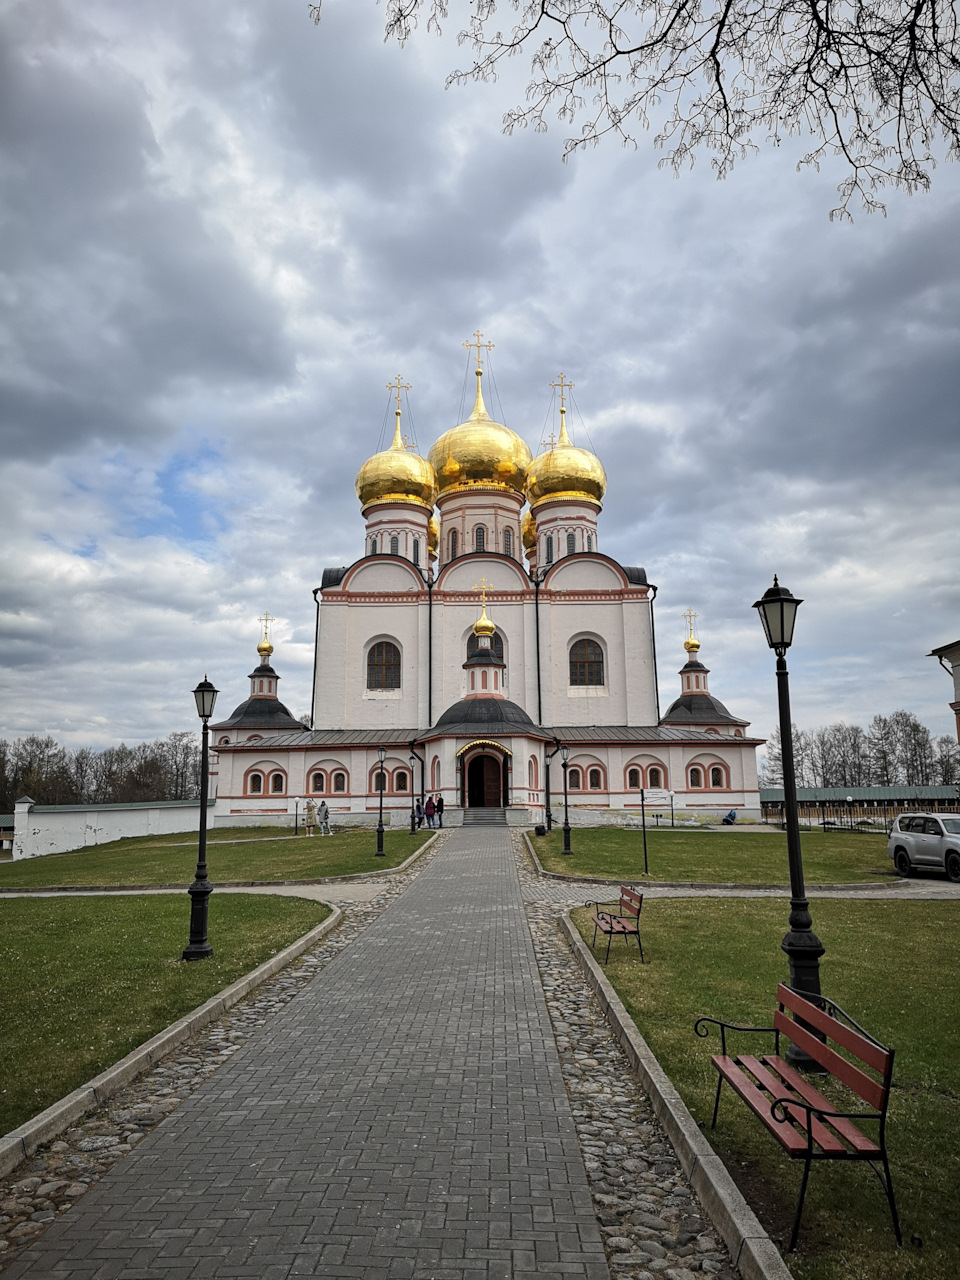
{"points": [[39, 767], [895, 750]]}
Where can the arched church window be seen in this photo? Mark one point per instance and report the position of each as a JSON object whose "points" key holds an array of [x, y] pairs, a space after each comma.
{"points": [[574, 780], [256, 784], [319, 782], [339, 782], [696, 778], [655, 777], [571, 543], [496, 645], [596, 780], [532, 772], [224, 741], [400, 781], [394, 545], [373, 546], [589, 541], [716, 776], [550, 548], [416, 551], [453, 544], [586, 662], [379, 781], [479, 538], [508, 542], [633, 779], [383, 666], [276, 783]]}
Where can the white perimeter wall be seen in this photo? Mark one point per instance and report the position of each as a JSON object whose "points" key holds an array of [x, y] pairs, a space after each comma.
{"points": [[43, 829]]}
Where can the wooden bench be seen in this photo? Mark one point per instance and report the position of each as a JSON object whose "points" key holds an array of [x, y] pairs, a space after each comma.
{"points": [[621, 917], [808, 1125]]}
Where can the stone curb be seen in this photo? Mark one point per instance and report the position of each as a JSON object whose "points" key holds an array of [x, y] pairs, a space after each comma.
{"points": [[694, 884], [753, 1252], [20, 1143], [223, 884]]}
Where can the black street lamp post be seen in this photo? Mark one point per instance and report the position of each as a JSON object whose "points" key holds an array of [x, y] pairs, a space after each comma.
{"points": [[546, 783], [381, 756], [413, 797], [643, 824], [564, 760], [803, 949], [199, 947]]}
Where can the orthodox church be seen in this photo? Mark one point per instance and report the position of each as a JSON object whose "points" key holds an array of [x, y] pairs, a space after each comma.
{"points": [[481, 633]]}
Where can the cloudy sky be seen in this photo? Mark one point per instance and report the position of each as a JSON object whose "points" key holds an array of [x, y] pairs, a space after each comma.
{"points": [[225, 230]]}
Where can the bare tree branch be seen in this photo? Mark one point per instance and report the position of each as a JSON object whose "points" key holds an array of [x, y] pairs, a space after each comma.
{"points": [[874, 82]]}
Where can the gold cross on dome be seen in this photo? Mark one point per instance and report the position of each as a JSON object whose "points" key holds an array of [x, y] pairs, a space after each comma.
{"points": [[266, 620], [481, 586], [550, 442], [690, 617], [564, 387], [398, 386], [487, 346]]}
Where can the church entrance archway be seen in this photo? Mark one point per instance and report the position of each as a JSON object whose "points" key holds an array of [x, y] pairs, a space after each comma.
{"points": [[485, 782]]}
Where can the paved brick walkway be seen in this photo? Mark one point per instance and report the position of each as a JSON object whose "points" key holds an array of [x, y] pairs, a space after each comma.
{"points": [[405, 1116]]}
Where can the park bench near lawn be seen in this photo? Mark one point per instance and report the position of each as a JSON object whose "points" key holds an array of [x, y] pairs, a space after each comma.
{"points": [[621, 918], [808, 1125]]}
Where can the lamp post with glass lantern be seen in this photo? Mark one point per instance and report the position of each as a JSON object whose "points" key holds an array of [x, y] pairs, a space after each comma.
{"points": [[199, 947], [564, 761], [802, 947], [413, 797], [381, 756]]}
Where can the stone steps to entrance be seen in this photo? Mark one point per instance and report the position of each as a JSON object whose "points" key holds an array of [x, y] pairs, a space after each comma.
{"points": [[484, 817]]}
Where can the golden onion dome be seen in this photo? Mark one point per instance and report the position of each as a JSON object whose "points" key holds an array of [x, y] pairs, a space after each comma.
{"points": [[483, 626], [528, 531], [433, 537], [692, 644], [265, 648], [480, 452], [565, 472], [397, 475]]}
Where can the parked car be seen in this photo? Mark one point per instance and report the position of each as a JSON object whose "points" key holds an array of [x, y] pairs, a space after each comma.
{"points": [[926, 840]]}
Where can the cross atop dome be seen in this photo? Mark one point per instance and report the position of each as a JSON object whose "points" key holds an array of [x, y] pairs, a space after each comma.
{"points": [[476, 342], [265, 648], [691, 644]]}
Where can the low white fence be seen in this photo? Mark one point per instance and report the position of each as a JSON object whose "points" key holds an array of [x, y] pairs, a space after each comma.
{"points": [[40, 829]]}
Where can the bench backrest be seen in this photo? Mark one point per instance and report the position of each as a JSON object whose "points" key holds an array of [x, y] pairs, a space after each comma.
{"points": [[846, 1034], [630, 902]]}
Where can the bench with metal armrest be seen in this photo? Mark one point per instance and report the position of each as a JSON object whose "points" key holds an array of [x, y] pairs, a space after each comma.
{"points": [[623, 918]]}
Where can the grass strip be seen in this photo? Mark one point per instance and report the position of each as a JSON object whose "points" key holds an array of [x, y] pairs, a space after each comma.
{"points": [[86, 980], [145, 860], [891, 966], [727, 857]]}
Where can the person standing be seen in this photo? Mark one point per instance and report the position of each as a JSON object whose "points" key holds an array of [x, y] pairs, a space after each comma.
{"points": [[323, 817], [430, 810], [419, 812], [439, 809], [309, 817]]}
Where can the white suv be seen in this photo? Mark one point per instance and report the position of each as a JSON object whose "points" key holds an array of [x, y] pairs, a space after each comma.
{"points": [[926, 840]]}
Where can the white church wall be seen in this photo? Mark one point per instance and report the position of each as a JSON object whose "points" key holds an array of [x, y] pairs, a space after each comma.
{"points": [[44, 829]]}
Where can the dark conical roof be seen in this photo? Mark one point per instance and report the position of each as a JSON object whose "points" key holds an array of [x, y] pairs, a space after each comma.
{"points": [[260, 713], [699, 708], [486, 715]]}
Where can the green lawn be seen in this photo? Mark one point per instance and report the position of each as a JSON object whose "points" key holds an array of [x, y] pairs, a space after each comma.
{"points": [[892, 967], [231, 855], [86, 980], [735, 857]]}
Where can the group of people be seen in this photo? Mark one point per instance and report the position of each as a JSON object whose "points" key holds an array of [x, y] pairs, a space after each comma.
{"points": [[432, 811], [316, 815]]}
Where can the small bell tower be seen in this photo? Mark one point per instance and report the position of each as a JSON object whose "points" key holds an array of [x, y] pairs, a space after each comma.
{"points": [[484, 669]]}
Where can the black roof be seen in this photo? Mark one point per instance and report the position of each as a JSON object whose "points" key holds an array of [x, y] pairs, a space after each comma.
{"points": [[635, 574], [699, 708], [488, 715], [260, 713], [333, 577]]}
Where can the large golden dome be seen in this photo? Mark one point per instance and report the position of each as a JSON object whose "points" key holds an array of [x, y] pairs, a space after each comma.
{"points": [[433, 537], [528, 531], [565, 472], [397, 475], [480, 452]]}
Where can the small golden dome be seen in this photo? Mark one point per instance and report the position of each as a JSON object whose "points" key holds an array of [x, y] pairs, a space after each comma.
{"points": [[397, 475], [483, 626], [433, 537], [691, 644], [264, 648], [565, 472], [480, 452], [528, 531]]}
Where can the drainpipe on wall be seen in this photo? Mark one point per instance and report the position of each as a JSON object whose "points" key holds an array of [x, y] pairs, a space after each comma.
{"points": [[536, 607], [429, 652], [316, 648], [653, 638]]}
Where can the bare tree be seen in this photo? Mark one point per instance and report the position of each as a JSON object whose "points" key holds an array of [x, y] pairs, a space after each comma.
{"points": [[875, 83]]}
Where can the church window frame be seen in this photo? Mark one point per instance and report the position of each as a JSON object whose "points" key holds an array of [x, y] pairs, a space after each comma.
{"points": [[254, 783], [595, 779], [435, 774], [340, 782], [718, 778], [587, 663], [318, 782], [508, 543], [589, 542], [574, 778], [373, 546], [571, 544], [400, 783], [533, 773], [278, 783], [695, 777], [549, 555], [394, 544], [416, 552], [634, 778], [479, 538], [379, 781], [655, 777], [453, 544], [223, 741], [384, 663]]}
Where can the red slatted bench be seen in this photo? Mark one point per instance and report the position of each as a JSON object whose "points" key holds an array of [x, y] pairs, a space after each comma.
{"points": [[623, 918], [808, 1125]]}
